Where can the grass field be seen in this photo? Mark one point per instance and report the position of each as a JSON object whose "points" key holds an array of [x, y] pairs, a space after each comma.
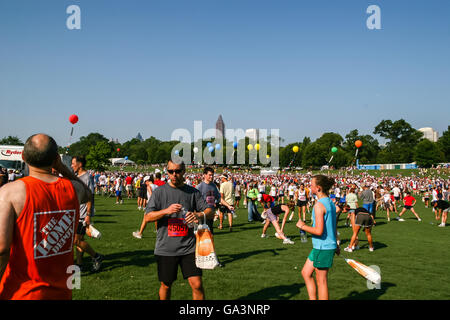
{"points": [[412, 256]]}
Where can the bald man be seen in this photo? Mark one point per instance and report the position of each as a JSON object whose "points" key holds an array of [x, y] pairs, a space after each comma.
{"points": [[38, 219]]}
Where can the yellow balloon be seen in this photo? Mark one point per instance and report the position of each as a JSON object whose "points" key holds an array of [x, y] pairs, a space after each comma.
{"points": [[295, 149], [250, 147], [257, 146]]}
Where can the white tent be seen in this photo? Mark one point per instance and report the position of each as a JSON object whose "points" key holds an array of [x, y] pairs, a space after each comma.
{"points": [[120, 161], [268, 172]]}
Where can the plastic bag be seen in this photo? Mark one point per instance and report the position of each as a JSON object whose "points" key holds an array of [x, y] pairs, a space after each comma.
{"points": [[205, 255], [92, 232]]}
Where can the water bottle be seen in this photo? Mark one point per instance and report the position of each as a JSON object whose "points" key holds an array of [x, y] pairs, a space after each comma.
{"points": [[303, 237], [234, 214], [183, 213]]}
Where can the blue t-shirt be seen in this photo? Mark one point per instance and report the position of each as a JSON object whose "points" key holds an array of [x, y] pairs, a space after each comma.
{"points": [[327, 241]]}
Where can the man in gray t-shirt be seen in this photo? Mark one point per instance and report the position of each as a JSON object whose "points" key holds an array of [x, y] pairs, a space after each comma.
{"points": [[175, 242], [86, 210], [210, 193]]}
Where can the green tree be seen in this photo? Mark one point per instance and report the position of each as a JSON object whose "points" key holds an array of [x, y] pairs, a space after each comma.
{"points": [[314, 156], [319, 152], [83, 146], [444, 144], [427, 153], [287, 155], [98, 156], [402, 140], [367, 153], [11, 141]]}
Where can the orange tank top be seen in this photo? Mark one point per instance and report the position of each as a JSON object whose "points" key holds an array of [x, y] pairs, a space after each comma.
{"points": [[42, 246]]}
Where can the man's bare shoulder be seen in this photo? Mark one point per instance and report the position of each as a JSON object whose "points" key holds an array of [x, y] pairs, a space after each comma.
{"points": [[14, 194], [13, 190]]}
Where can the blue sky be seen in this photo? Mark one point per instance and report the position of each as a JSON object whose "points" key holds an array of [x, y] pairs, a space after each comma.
{"points": [[304, 67]]}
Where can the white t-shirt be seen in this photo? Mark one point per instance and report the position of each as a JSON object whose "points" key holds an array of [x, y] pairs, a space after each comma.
{"points": [[118, 183], [273, 191], [396, 192]]}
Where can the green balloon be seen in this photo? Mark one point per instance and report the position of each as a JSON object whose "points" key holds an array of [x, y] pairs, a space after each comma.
{"points": [[334, 149]]}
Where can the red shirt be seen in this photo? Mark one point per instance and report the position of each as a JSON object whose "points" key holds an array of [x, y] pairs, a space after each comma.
{"points": [[408, 200], [42, 246], [159, 183], [129, 180], [267, 198]]}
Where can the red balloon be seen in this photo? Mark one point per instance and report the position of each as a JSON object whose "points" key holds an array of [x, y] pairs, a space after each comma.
{"points": [[73, 119], [358, 143], [118, 149]]}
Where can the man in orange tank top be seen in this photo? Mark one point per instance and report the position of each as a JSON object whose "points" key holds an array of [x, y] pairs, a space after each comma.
{"points": [[38, 220]]}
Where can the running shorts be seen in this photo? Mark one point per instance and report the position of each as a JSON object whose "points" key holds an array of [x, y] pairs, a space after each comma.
{"points": [[323, 259]]}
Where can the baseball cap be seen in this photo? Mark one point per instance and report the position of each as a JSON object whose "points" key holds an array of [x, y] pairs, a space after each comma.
{"points": [[224, 175], [146, 178]]}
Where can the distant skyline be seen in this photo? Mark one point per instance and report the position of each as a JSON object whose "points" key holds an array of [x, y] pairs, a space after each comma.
{"points": [[303, 67]]}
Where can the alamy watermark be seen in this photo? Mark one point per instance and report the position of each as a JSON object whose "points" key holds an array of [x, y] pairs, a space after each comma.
{"points": [[73, 21], [370, 284], [74, 280], [262, 149]]}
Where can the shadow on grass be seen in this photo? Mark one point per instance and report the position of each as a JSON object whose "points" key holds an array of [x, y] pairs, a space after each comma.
{"points": [[229, 258], [104, 215], [284, 292], [103, 221], [373, 294], [140, 258], [363, 244]]}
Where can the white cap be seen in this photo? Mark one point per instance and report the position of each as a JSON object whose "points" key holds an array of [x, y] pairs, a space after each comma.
{"points": [[146, 178], [157, 170]]}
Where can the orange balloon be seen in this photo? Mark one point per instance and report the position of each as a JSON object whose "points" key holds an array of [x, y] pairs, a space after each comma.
{"points": [[358, 143]]}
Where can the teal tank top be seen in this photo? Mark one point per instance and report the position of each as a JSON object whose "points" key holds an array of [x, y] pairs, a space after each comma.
{"points": [[328, 239]]}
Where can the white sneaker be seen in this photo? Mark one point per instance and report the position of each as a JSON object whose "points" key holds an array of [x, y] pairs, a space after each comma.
{"points": [[441, 225], [401, 220], [347, 249], [371, 249], [288, 241], [137, 235], [139, 208], [419, 219], [264, 235]]}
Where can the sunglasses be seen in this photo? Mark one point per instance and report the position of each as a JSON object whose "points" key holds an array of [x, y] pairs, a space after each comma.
{"points": [[177, 171]]}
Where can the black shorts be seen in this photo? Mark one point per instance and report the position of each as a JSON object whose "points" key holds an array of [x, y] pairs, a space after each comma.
{"points": [[363, 220], [407, 207], [168, 267], [143, 193], [301, 203], [238, 198], [224, 209], [81, 229], [397, 198]]}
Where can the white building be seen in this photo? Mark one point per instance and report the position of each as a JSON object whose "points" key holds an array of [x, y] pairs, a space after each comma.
{"points": [[252, 134], [430, 134]]}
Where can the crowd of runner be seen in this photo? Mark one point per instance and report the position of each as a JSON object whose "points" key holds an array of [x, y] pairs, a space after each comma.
{"points": [[389, 193]]}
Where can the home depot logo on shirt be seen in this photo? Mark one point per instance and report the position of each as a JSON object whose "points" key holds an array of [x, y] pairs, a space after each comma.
{"points": [[53, 233]]}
